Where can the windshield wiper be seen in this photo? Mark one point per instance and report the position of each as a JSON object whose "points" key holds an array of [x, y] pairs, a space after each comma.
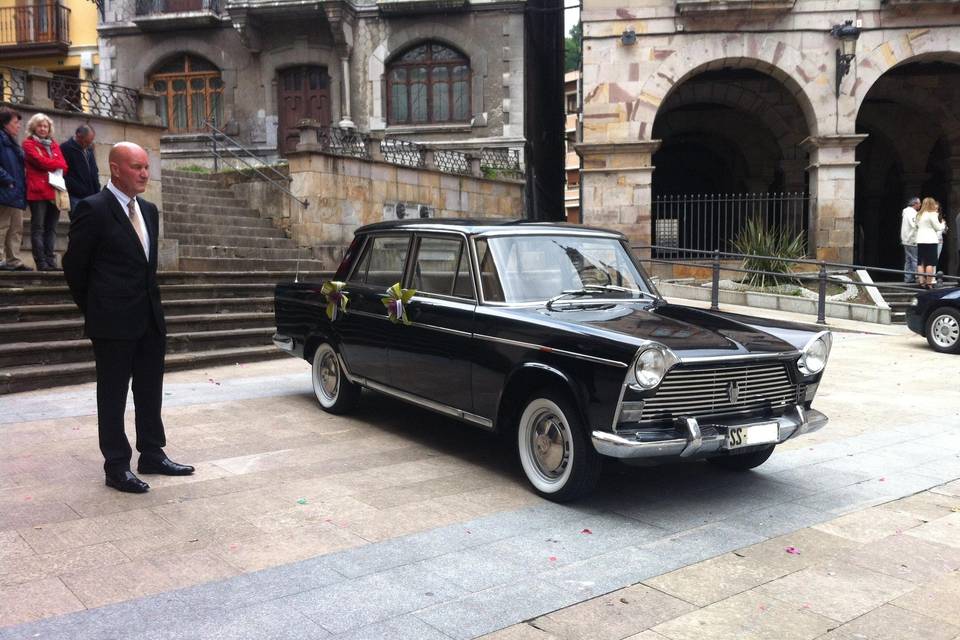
{"points": [[591, 289]]}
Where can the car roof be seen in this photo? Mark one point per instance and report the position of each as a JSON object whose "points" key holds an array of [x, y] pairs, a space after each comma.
{"points": [[482, 226]]}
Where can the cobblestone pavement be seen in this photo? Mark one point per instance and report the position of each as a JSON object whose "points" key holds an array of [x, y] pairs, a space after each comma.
{"points": [[396, 523]]}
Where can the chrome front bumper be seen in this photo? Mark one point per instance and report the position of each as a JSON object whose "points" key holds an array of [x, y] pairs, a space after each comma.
{"points": [[700, 439]]}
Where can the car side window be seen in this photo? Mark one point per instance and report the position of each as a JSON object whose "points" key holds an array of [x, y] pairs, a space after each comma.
{"points": [[440, 268], [382, 262]]}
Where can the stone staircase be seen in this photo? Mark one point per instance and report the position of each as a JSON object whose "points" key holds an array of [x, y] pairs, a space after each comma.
{"points": [[898, 299], [219, 306], [212, 319], [218, 231]]}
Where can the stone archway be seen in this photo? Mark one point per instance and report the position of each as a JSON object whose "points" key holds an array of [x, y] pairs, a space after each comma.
{"points": [[913, 104]]}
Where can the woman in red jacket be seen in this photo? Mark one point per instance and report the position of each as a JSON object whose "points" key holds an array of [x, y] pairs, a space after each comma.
{"points": [[42, 157]]}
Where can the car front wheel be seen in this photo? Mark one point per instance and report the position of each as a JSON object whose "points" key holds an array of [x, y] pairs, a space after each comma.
{"points": [[943, 330], [555, 453], [743, 461], [335, 393]]}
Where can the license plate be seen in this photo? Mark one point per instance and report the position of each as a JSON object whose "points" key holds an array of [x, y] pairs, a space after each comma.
{"points": [[754, 434]]}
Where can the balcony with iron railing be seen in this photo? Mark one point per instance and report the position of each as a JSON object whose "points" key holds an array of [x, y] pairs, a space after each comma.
{"points": [[157, 15], [35, 30]]}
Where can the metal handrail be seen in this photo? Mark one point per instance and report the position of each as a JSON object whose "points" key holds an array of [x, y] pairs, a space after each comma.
{"points": [[821, 276], [274, 182]]}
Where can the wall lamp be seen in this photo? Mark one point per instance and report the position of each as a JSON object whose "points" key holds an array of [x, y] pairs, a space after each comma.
{"points": [[628, 37], [847, 34]]}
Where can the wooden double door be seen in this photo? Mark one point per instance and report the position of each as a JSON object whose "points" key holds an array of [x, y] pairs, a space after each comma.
{"points": [[304, 92]]}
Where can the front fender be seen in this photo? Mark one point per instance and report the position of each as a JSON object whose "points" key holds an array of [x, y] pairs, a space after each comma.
{"points": [[593, 388]]}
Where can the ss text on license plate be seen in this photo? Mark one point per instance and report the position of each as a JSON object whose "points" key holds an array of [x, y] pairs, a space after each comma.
{"points": [[752, 435]]}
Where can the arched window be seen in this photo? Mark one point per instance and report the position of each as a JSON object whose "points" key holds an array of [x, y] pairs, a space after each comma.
{"points": [[191, 91], [428, 83]]}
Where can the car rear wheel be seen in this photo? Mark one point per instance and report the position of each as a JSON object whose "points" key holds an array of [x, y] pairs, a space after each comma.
{"points": [[943, 330], [743, 461], [556, 456], [335, 393]]}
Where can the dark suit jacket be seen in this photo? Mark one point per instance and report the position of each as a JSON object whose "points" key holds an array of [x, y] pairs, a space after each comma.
{"points": [[110, 278], [83, 177]]}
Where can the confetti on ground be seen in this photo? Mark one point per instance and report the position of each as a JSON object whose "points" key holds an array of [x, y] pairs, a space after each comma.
{"points": [[587, 531], [302, 501], [883, 479], [792, 551], [552, 558], [212, 381]]}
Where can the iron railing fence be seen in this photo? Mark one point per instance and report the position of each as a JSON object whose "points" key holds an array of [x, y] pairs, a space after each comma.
{"points": [[37, 24], [405, 153], [501, 161], [96, 98], [452, 161], [344, 142], [13, 85], [160, 7], [684, 224], [226, 149], [409, 153], [718, 261]]}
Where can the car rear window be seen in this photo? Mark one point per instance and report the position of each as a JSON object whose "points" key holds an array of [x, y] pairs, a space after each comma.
{"points": [[382, 262]]}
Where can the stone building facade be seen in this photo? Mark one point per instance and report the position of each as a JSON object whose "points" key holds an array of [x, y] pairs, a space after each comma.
{"points": [[697, 100], [448, 73]]}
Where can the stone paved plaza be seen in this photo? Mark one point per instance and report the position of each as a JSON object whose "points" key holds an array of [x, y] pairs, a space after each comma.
{"points": [[396, 523]]}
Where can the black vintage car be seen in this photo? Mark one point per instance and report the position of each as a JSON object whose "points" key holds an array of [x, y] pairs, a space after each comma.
{"points": [[553, 335], [936, 315]]}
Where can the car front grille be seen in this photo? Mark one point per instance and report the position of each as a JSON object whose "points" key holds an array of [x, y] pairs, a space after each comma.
{"points": [[698, 392]]}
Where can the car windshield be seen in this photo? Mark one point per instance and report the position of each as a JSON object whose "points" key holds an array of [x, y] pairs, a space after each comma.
{"points": [[536, 268]]}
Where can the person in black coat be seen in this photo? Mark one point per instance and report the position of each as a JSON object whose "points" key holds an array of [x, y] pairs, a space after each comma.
{"points": [[111, 268], [83, 176], [13, 191]]}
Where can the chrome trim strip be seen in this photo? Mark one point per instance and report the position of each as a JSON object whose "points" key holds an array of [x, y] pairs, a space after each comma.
{"points": [[455, 332], [736, 358], [367, 314], [545, 349], [447, 410], [282, 342], [535, 231]]}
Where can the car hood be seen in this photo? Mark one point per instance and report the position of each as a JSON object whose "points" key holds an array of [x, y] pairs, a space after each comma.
{"points": [[683, 329]]}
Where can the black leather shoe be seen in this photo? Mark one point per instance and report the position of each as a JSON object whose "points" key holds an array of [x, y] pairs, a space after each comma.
{"points": [[127, 482], [165, 467]]}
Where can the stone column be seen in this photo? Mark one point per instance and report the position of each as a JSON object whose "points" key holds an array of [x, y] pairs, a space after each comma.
{"points": [[37, 89], [832, 170], [615, 184], [346, 122]]}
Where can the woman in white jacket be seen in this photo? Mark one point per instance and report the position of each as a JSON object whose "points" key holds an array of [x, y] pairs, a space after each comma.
{"points": [[929, 229]]}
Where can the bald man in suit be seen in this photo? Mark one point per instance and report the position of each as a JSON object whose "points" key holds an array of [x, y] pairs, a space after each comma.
{"points": [[111, 267]]}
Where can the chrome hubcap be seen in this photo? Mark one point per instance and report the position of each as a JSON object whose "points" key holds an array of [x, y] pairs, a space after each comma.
{"points": [[550, 445], [328, 375], [945, 331]]}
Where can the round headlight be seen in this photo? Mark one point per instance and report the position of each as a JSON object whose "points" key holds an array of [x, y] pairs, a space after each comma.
{"points": [[814, 357], [650, 368]]}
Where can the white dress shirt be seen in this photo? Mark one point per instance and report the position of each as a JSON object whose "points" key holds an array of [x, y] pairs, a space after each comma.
{"points": [[123, 199]]}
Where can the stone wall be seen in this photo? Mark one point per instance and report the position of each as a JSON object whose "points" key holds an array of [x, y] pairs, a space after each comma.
{"points": [[346, 193], [626, 86]]}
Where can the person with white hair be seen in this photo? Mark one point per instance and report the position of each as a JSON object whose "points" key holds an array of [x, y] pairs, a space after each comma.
{"points": [[45, 176], [908, 238]]}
